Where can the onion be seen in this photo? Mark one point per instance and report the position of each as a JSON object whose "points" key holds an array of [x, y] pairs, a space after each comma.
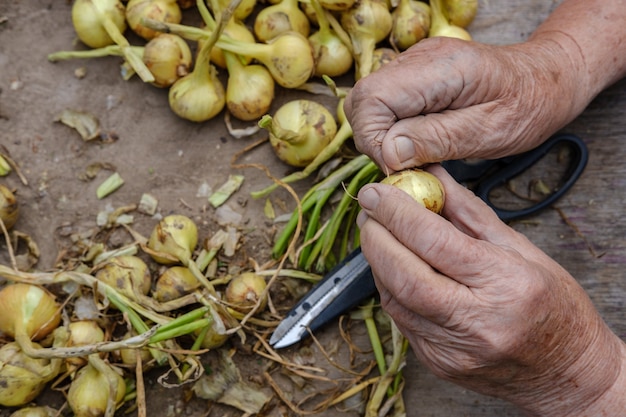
{"points": [[337, 5], [250, 89], [279, 18], [175, 282], [243, 10], [244, 291], [423, 186], [90, 391], [381, 57], [299, 131], [173, 240], [129, 356], [332, 57], [35, 411], [367, 22], [100, 23], [83, 332], [411, 23], [27, 312], [9, 210], [160, 10], [128, 274], [22, 378], [233, 30], [288, 57], [440, 26], [168, 58], [461, 12]]}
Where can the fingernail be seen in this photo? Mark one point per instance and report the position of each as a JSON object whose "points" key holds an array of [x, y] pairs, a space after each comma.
{"points": [[361, 218], [369, 198], [405, 149]]}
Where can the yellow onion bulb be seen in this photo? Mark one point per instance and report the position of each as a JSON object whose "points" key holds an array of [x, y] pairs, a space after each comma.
{"points": [[167, 11], [250, 89], [83, 332], [198, 98], [9, 209], [381, 57], [280, 18], [237, 31], [424, 187], [332, 57], [173, 239], [216, 334], [337, 5], [461, 12], [168, 57], [28, 309], [35, 411], [245, 290], [86, 18], [22, 378], [90, 390], [441, 26], [245, 8], [128, 274], [299, 131], [411, 23], [129, 356], [173, 283]]}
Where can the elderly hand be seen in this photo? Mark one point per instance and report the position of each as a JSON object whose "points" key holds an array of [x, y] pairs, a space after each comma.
{"points": [[486, 309], [445, 99]]}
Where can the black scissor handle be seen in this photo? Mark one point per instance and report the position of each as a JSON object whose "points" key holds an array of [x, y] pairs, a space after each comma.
{"points": [[522, 162]]}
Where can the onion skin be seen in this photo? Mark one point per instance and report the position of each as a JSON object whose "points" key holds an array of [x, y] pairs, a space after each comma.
{"points": [[159, 10], [245, 290], [9, 209], [461, 12], [87, 24], [22, 378], [299, 130], [29, 309], [174, 235], [168, 57], [423, 186], [89, 392]]}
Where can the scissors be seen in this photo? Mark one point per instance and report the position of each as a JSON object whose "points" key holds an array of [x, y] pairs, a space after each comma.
{"points": [[351, 282]]}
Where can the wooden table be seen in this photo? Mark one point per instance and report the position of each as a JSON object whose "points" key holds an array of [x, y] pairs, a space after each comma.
{"points": [[592, 247]]}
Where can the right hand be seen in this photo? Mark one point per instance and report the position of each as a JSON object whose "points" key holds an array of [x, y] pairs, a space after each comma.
{"points": [[447, 99]]}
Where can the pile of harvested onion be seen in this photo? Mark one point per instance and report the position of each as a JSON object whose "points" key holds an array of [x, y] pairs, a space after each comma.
{"points": [[287, 42]]}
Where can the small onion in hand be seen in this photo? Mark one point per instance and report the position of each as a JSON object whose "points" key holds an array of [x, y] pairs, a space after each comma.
{"points": [[423, 186]]}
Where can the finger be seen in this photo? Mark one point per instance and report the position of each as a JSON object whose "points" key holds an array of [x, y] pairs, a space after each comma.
{"points": [[407, 283]]}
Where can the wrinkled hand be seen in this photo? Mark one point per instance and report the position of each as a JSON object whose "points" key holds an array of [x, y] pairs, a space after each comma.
{"points": [[448, 99], [482, 306]]}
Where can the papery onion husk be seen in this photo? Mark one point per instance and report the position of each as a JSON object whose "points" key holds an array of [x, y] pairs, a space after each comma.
{"points": [[173, 283], [174, 236], [168, 57], [424, 187], [300, 130], [245, 290], [9, 209], [411, 23], [23, 378], [159, 10], [90, 391], [280, 18], [461, 12], [128, 274], [28, 309]]}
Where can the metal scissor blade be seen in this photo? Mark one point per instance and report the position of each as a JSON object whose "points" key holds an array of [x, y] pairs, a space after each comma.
{"points": [[342, 289]]}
